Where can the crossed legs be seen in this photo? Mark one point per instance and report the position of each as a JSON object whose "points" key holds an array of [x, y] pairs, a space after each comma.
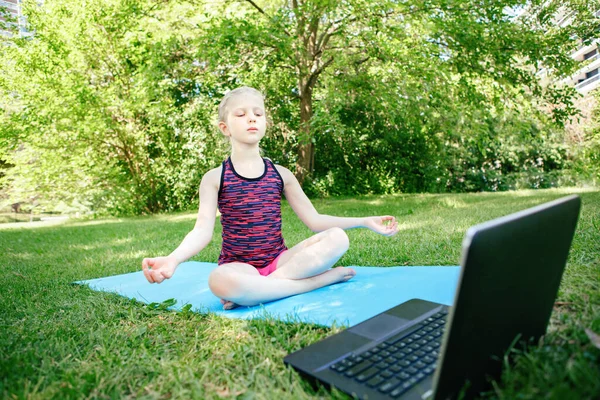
{"points": [[304, 267]]}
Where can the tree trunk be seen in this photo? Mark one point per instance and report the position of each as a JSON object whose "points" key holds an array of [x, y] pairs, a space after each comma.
{"points": [[306, 149]]}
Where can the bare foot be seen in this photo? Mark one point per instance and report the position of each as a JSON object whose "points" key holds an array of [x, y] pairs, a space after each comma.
{"points": [[228, 305], [348, 273]]}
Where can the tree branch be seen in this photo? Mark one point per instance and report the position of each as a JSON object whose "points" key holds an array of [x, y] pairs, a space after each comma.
{"points": [[312, 80], [362, 60], [329, 31], [260, 10]]}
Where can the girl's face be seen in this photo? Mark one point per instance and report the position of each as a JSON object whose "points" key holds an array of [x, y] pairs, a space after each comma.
{"points": [[245, 121]]}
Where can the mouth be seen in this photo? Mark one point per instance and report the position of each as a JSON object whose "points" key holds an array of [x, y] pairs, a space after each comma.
{"points": [[252, 129]]}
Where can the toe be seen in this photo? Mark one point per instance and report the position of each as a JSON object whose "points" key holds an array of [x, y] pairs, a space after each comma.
{"points": [[229, 305], [350, 273]]}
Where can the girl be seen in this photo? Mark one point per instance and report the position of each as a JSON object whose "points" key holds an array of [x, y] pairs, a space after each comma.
{"points": [[255, 266]]}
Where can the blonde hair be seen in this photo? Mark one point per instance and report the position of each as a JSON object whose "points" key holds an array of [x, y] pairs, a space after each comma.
{"points": [[244, 90]]}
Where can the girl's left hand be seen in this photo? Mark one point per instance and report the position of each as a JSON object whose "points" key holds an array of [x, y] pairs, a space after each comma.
{"points": [[385, 225]]}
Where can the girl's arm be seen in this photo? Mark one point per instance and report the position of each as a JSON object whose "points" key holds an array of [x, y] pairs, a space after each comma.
{"points": [[302, 206], [158, 269], [200, 236]]}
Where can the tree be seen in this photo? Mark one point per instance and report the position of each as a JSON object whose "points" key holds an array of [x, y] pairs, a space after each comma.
{"points": [[110, 103], [464, 41], [98, 90]]}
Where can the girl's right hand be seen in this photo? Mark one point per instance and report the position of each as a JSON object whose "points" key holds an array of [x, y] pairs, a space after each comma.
{"points": [[158, 269], [385, 225]]}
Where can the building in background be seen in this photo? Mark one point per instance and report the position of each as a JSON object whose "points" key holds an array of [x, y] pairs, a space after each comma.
{"points": [[10, 15], [586, 79]]}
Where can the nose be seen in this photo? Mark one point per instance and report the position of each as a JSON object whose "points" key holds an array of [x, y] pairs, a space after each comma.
{"points": [[251, 117]]}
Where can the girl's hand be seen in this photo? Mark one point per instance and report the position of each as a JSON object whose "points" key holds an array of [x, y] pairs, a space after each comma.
{"points": [[158, 269], [385, 225]]}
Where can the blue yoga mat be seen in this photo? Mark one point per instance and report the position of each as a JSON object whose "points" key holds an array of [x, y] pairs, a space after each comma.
{"points": [[372, 291]]}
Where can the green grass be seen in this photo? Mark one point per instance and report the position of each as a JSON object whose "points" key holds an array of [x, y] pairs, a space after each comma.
{"points": [[59, 340]]}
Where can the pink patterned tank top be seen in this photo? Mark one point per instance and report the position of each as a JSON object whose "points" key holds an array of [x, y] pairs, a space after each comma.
{"points": [[251, 216]]}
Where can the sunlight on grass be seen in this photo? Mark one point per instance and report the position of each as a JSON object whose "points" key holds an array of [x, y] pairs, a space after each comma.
{"points": [[533, 192], [191, 216], [377, 202], [31, 225], [114, 242], [96, 222], [452, 202], [412, 225]]}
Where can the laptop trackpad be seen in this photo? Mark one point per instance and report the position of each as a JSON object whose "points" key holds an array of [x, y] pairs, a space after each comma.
{"points": [[379, 327]]}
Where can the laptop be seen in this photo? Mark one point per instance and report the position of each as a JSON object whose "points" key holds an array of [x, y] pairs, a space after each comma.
{"points": [[511, 269]]}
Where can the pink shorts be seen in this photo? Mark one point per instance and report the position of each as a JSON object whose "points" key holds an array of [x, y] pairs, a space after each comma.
{"points": [[269, 269]]}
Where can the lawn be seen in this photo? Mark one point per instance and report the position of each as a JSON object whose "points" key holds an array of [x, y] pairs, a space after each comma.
{"points": [[59, 340]]}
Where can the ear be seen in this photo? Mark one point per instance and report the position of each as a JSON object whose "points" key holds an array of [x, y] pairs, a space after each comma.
{"points": [[223, 128]]}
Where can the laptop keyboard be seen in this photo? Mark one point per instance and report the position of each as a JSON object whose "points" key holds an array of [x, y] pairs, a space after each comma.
{"points": [[398, 363]]}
